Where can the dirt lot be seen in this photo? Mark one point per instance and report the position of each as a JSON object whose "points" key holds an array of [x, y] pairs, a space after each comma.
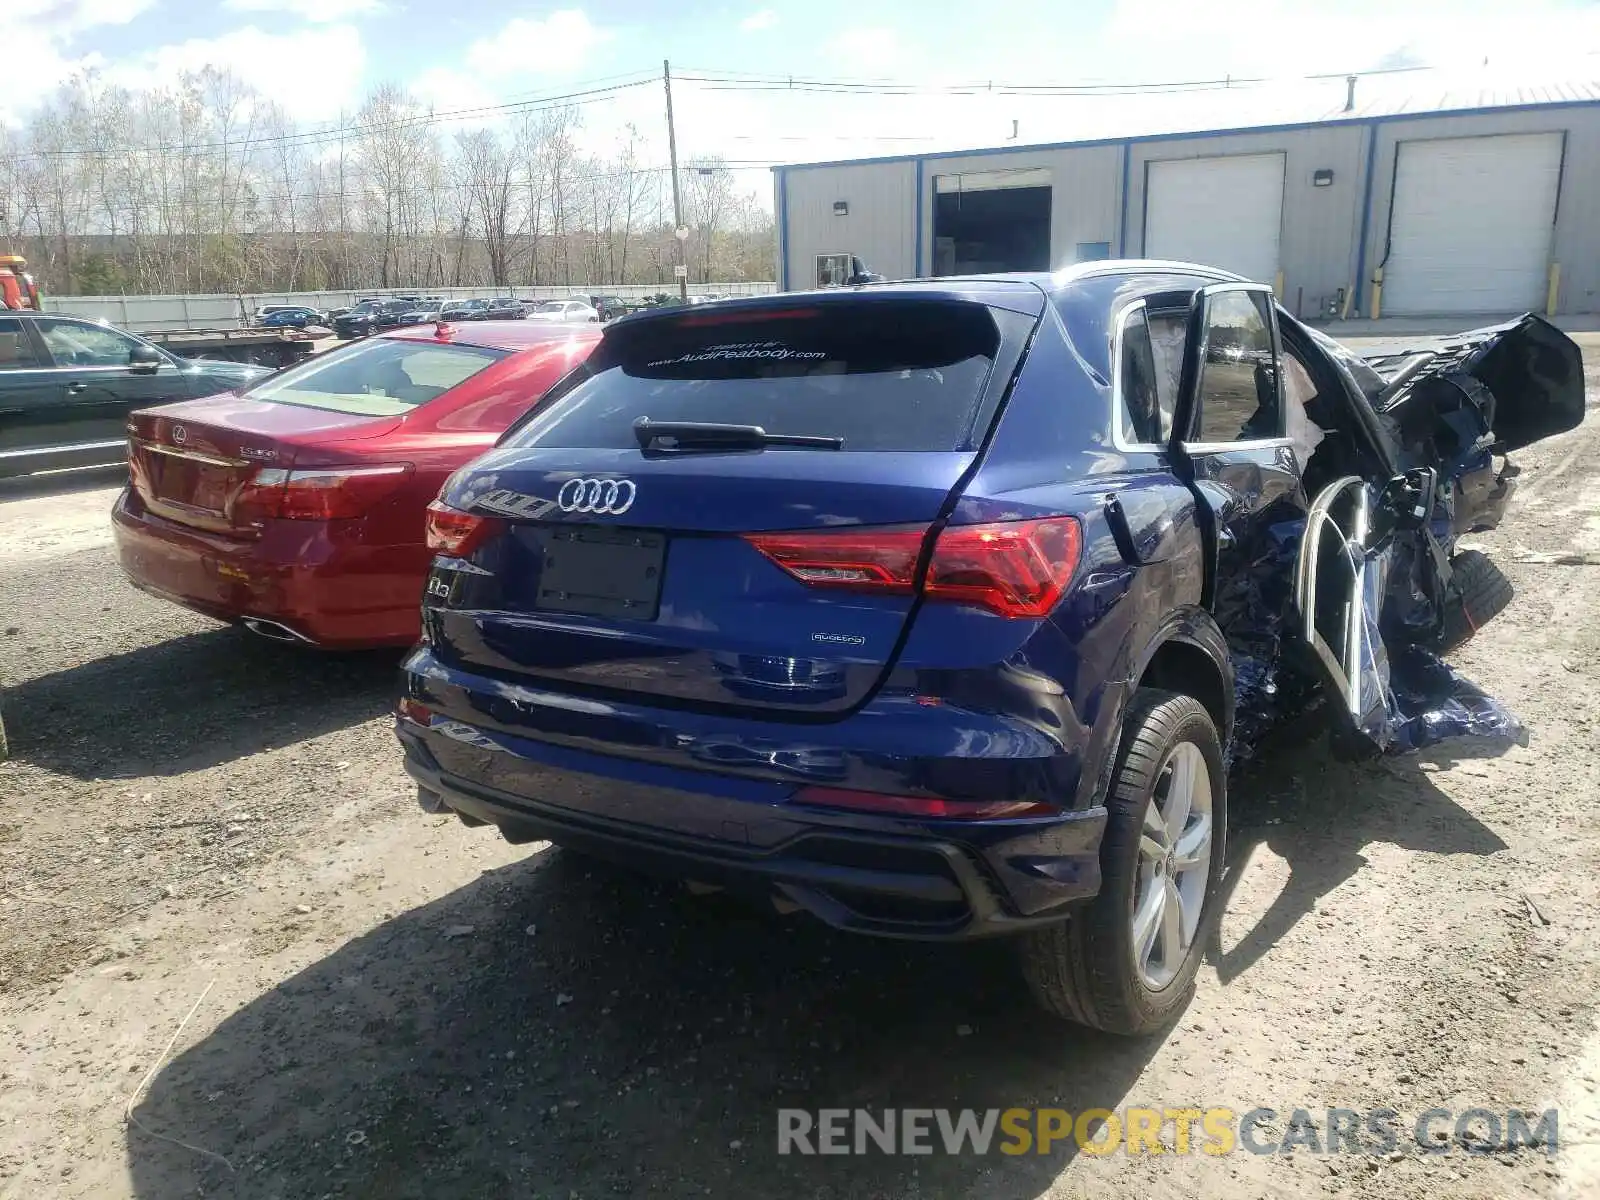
{"points": [[386, 1004]]}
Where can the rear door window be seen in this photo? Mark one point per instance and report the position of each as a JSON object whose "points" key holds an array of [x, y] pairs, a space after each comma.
{"points": [[384, 377], [15, 350], [889, 375]]}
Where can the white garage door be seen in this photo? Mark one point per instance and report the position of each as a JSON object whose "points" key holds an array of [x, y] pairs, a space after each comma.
{"points": [[1223, 212], [1473, 218]]}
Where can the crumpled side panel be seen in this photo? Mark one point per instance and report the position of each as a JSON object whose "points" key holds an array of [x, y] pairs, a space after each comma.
{"points": [[1265, 601], [1409, 698], [1431, 701]]}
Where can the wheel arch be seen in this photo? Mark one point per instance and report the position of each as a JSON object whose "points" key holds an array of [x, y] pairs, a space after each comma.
{"points": [[1188, 654]]}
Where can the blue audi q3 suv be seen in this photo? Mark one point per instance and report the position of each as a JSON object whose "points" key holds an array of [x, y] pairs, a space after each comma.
{"points": [[927, 608]]}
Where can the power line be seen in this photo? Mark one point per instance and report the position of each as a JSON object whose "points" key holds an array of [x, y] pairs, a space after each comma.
{"points": [[888, 86], [605, 88]]}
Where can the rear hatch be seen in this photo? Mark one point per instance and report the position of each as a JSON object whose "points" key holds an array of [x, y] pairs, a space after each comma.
{"points": [[225, 463], [618, 563]]}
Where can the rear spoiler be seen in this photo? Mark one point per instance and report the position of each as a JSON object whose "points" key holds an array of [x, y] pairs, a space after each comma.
{"points": [[1533, 371]]}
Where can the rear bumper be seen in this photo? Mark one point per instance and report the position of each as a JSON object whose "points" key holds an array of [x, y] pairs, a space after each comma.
{"points": [[916, 878], [327, 591]]}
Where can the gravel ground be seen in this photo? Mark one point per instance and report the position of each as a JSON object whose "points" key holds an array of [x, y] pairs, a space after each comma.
{"points": [[386, 1004]]}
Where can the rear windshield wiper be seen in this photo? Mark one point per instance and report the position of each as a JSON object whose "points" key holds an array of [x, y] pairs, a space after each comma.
{"points": [[714, 435]]}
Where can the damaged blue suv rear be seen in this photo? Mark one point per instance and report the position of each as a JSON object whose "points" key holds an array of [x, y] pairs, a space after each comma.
{"points": [[940, 609]]}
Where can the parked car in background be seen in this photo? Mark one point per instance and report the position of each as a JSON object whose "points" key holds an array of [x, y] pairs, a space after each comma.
{"points": [[67, 386], [564, 311], [293, 318], [609, 307], [505, 308], [373, 316], [423, 312], [465, 310], [296, 508], [931, 608]]}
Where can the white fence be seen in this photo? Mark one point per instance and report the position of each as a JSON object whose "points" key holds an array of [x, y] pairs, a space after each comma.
{"points": [[142, 314]]}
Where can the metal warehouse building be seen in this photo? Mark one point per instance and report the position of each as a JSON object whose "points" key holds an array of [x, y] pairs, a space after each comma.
{"points": [[1456, 210]]}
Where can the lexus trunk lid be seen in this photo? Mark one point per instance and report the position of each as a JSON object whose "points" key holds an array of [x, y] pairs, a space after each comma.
{"points": [[196, 462], [192, 461]]}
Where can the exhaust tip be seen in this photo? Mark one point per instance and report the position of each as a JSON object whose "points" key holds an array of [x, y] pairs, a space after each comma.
{"points": [[274, 632]]}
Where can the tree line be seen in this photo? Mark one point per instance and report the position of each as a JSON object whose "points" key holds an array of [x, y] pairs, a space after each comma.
{"points": [[209, 186]]}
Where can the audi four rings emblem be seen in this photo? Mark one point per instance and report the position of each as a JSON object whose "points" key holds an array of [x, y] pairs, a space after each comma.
{"points": [[614, 496]]}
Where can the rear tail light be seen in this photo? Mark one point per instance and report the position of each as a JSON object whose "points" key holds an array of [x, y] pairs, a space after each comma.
{"points": [[1012, 568], [873, 560], [414, 711], [456, 534], [318, 494], [920, 806], [261, 497], [1015, 568]]}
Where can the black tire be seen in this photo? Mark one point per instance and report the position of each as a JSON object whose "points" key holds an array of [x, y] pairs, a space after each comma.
{"points": [[1482, 592], [1084, 969]]}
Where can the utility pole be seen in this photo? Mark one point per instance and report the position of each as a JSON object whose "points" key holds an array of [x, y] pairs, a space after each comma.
{"points": [[680, 234]]}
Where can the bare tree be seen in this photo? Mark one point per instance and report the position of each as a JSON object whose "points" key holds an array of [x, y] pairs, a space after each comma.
{"points": [[203, 184], [485, 171], [708, 196]]}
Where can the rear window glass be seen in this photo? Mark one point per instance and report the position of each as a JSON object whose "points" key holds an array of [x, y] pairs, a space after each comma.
{"points": [[380, 378], [883, 376]]}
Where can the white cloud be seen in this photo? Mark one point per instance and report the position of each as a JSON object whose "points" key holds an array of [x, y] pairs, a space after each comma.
{"points": [[312, 73], [37, 37], [61, 19], [559, 43], [320, 12], [757, 21], [447, 90]]}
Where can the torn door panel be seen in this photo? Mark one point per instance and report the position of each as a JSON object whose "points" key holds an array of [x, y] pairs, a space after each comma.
{"points": [[1415, 457]]}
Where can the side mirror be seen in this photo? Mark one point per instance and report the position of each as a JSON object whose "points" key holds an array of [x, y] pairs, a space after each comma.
{"points": [[145, 360]]}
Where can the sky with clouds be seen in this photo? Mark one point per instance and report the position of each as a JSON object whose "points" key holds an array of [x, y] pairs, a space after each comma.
{"points": [[318, 57]]}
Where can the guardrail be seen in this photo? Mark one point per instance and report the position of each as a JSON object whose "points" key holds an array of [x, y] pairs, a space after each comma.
{"points": [[220, 311]]}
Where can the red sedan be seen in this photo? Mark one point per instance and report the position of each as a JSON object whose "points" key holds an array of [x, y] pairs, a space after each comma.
{"points": [[296, 506]]}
